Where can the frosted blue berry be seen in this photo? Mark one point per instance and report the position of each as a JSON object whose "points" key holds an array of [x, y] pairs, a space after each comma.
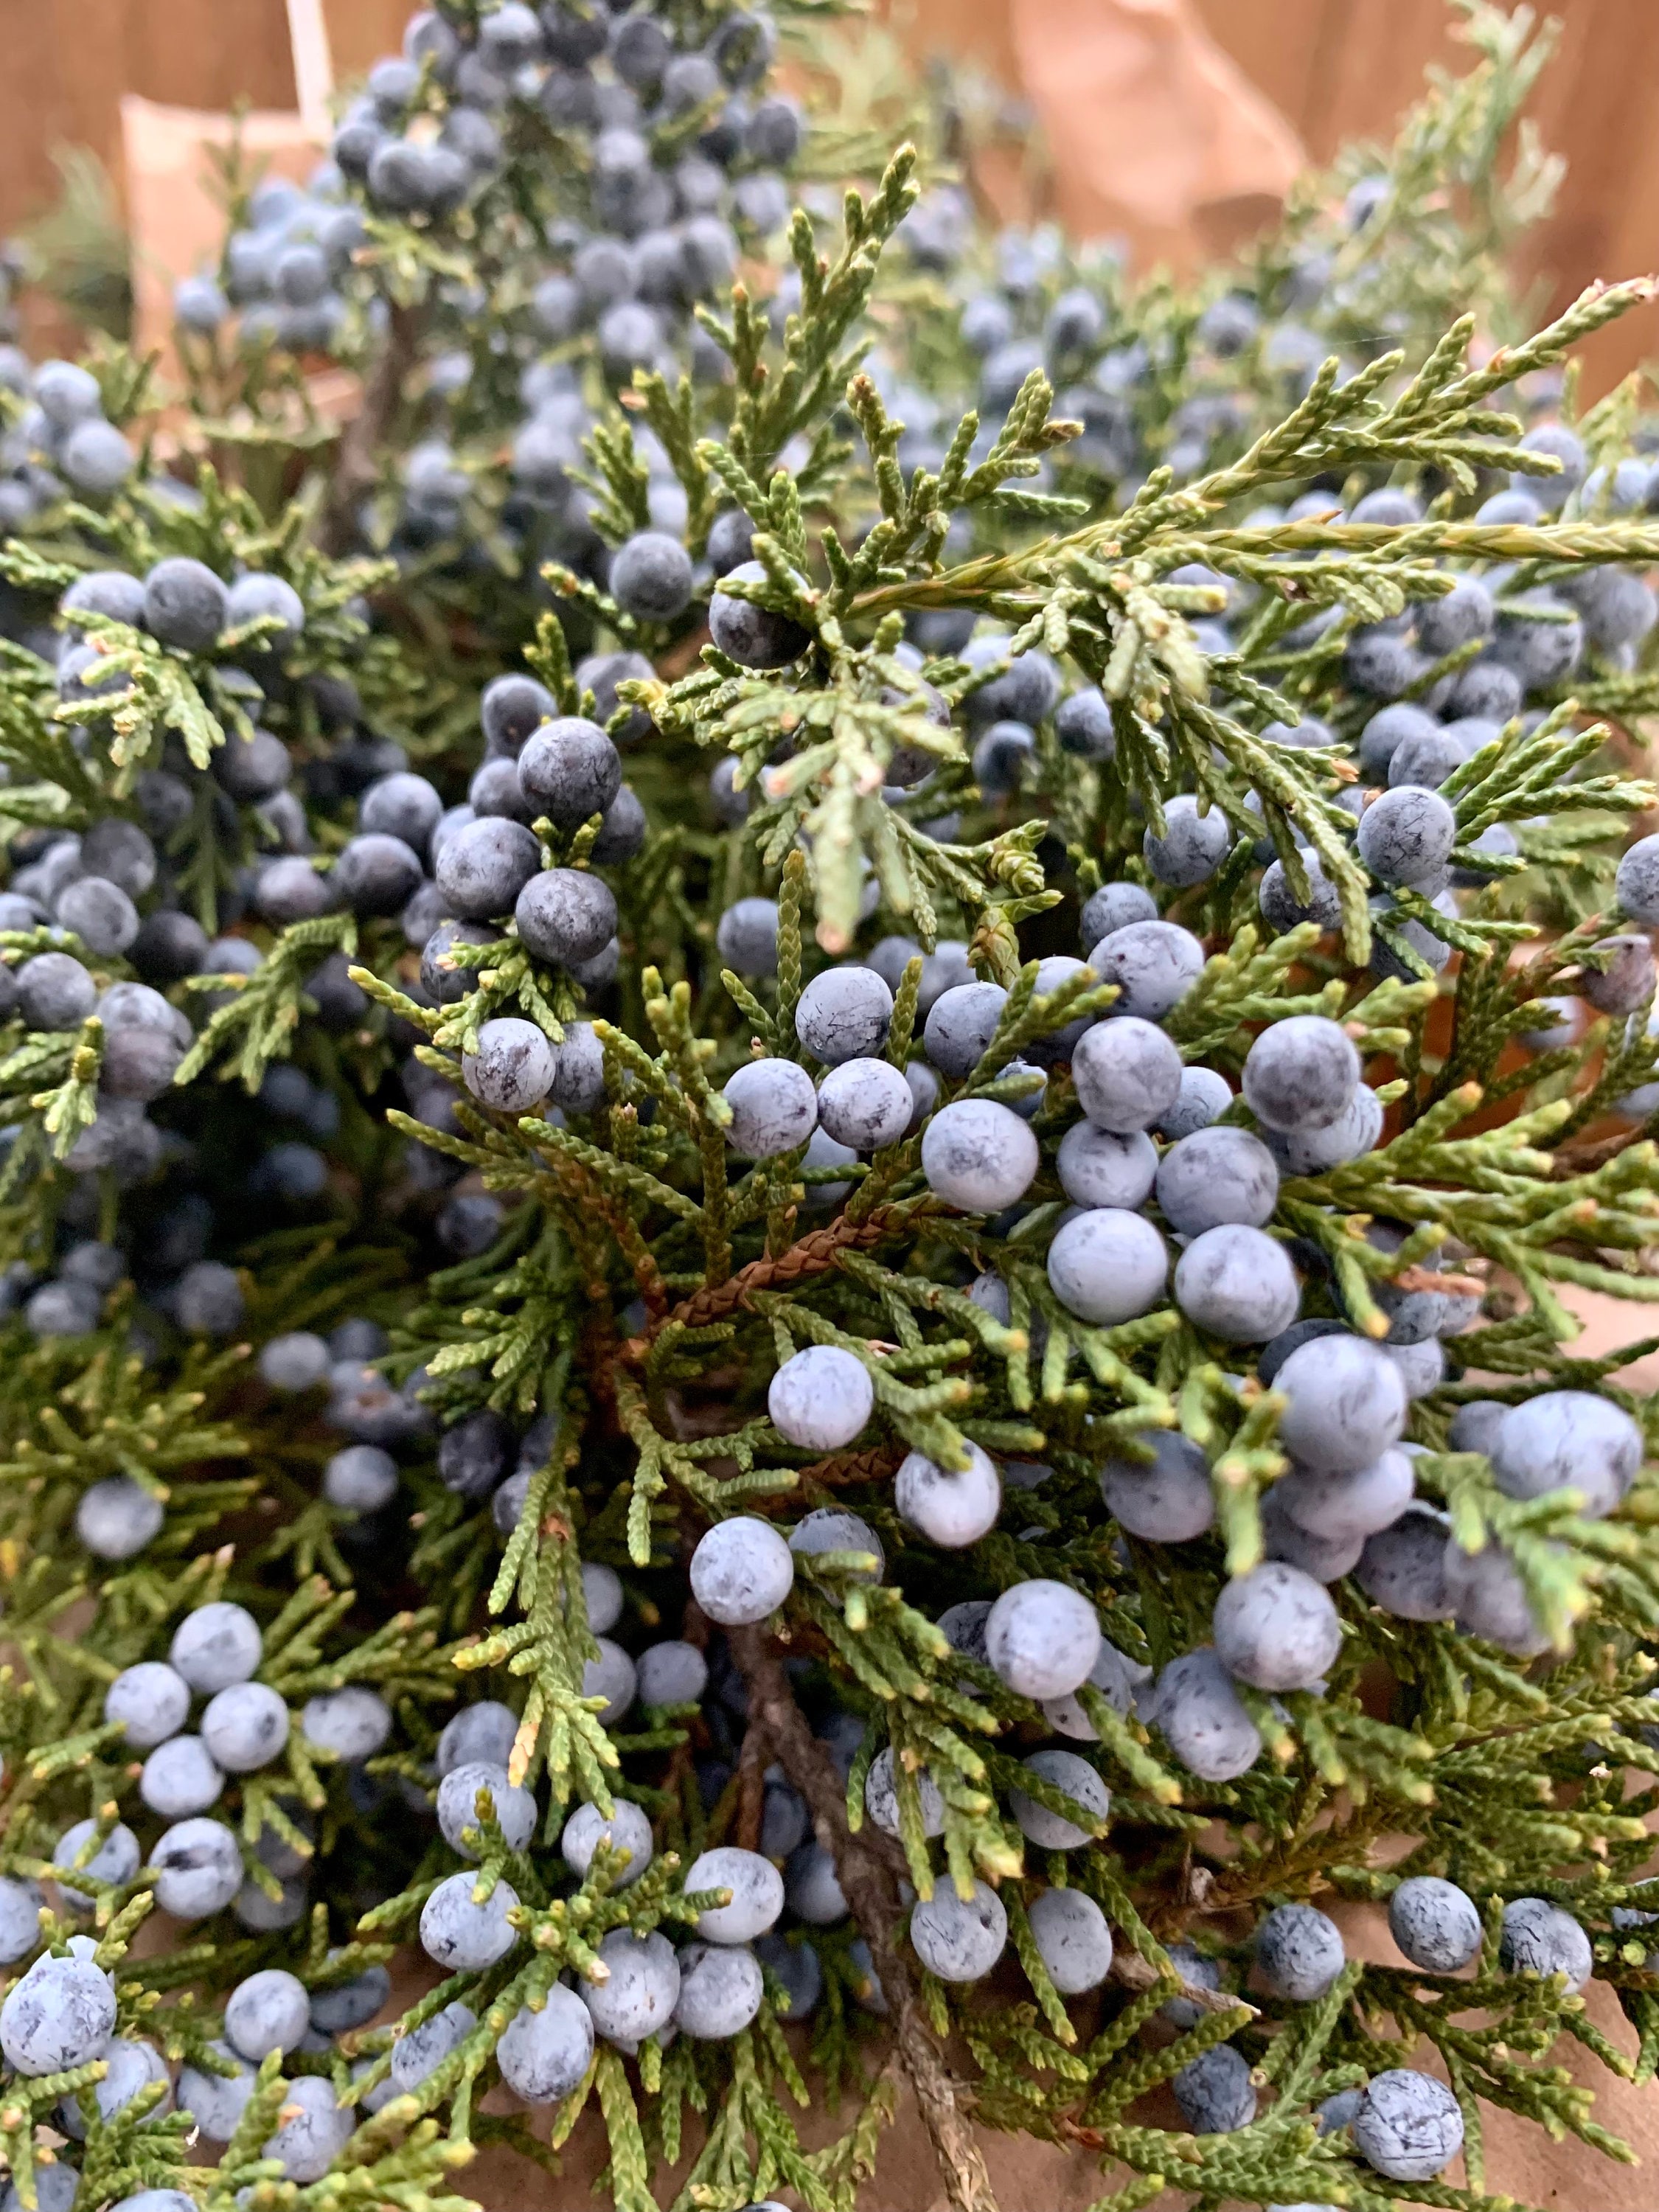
{"points": [[544, 2053], [1214, 2091], [1072, 1939], [756, 1888], [458, 1807], [1237, 1283], [462, 1935], [1435, 1924], [1110, 909], [1347, 1403], [959, 1941], [754, 637], [960, 1024], [864, 1103], [270, 2011], [1299, 1953], [1167, 1500], [115, 1861], [314, 2132], [742, 1570], [978, 1154], [1194, 844], [186, 606], [60, 2015], [1127, 1073], [720, 1990], [641, 1988], [1217, 1175], [20, 1903], [199, 1869], [1409, 2126], [950, 1509], [625, 1828], [774, 1107], [1402, 1567], [215, 1645], [821, 1399], [118, 1517], [244, 1727], [1097, 1167], [1064, 1771], [1567, 1438], [844, 1014], [1042, 1638], [1539, 1938], [1276, 1628], [1488, 1596], [651, 576]]}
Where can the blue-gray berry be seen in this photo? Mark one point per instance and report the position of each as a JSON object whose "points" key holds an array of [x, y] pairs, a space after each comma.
{"points": [[186, 606], [1107, 1265], [1194, 844], [458, 1806], [569, 770], [754, 637], [1301, 1073], [1214, 2091], [1299, 1953], [244, 1727], [1153, 963], [482, 866], [844, 1014], [60, 2015], [978, 1154], [1166, 1499], [741, 1571], [544, 2055], [1042, 1638], [1237, 1283], [958, 1941], [1435, 1924], [565, 914], [1276, 1628], [462, 1934], [1409, 2126], [1567, 1438], [1098, 1167], [1217, 1175], [512, 1068], [215, 1645]]}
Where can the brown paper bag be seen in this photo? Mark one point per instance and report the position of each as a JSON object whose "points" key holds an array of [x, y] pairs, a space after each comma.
{"points": [[1150, 131], [1154, 130]]}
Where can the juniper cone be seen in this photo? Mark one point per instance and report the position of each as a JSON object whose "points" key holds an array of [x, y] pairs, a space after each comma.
{"points": [[799, 1119]]}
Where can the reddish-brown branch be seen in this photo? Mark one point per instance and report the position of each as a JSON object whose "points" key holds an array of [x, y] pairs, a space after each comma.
{"points": [[868, 1868], [811, 1255]]}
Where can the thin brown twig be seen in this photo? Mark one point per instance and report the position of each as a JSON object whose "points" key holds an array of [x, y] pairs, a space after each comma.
{"points": [[811, 1255], [752, 1787], [868, 1870]]}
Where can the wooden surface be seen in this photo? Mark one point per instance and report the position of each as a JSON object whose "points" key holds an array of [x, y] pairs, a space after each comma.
{"points": [[1340, 69]]}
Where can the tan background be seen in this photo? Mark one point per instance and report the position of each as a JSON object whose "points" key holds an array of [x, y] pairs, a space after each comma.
{"points": [[1333, 69]]}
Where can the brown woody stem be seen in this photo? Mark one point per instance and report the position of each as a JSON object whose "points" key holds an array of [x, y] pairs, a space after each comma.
{"points": [[868, 1870]]}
